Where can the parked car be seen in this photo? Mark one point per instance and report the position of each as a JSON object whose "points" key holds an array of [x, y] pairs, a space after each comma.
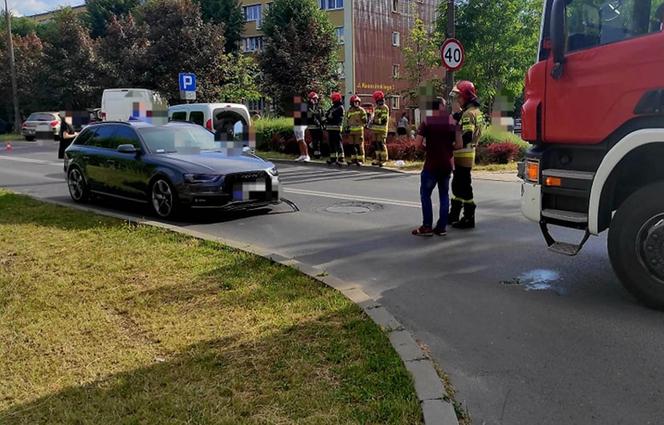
{"points": [[138, 104], [170, 167], [229, 121], [42, 125]]}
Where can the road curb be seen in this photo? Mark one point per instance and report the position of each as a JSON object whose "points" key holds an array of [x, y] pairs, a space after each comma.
{"points": [[330, 167], [434, 401]]}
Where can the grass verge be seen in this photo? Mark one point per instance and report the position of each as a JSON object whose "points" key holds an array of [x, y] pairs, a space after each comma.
{"points": [[102, 322], [10, 137]]}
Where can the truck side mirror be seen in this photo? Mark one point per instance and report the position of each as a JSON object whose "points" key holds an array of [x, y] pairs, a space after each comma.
{"points": [[557, 31]]}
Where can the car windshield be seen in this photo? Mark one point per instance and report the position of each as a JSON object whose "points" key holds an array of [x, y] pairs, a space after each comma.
{"points": [[185, 139], [40, 117]]}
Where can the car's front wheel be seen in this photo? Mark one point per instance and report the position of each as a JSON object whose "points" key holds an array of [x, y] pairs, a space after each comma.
{"points": [[78, 188], [29, 138], [163, 198]]}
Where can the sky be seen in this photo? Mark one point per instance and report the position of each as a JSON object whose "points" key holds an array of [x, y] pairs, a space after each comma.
{"points": [[30, 7]]}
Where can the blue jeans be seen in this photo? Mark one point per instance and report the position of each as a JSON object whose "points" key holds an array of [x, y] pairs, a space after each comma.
{"points": [[428, 181]]}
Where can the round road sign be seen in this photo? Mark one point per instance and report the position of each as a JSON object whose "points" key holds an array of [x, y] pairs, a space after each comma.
{"points": [[452, 54]]}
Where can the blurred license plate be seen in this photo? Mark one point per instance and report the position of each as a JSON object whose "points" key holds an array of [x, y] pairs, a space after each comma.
{"points": [[246, 191]]}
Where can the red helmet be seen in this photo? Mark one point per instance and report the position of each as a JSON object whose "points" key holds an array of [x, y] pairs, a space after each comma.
{"points": [[313, 95], [466, 90], [355, 98], [335, 97], [378, 96]]}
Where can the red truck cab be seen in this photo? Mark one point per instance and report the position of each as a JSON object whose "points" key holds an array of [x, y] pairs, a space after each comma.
{"points": [[594, 111]]}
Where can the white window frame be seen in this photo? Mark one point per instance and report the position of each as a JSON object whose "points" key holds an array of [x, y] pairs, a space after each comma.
{"points": [[256, 6], [341, 70], [252, 44], [395, 71], [395, 102], [325, 4], [341, 35], [396, 38]]}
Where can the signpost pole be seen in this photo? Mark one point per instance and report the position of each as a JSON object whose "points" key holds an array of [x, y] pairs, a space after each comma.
{"points": [[451, 33]]}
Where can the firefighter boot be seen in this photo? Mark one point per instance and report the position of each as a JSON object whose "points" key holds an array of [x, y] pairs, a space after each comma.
{"points": [[455, 211], [468, 220]]}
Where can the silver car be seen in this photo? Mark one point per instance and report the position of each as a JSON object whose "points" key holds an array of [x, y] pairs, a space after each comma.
{"points": [[41, 125]]}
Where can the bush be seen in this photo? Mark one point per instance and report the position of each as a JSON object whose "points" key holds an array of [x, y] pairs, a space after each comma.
{"points": [[275, 134], [492, 136], [502, 153], [404, 148]]}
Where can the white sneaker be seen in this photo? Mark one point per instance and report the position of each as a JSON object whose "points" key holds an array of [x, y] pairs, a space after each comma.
{"points": [[306, 158], [300, 158]]}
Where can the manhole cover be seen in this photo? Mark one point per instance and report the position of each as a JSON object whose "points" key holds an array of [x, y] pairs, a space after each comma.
{"points": [[353, 208]]}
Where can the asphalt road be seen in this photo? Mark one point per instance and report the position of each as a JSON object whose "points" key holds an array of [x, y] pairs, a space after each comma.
{"points": [[527, 337]]}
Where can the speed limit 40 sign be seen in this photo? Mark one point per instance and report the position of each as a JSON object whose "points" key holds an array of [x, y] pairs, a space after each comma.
{"points": [[453, 54]]}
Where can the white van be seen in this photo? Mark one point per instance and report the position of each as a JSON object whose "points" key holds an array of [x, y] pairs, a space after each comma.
{"points": [[139, 104], [231, 120]]}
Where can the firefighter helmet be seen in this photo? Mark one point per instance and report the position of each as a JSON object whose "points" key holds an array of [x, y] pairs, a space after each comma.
{"points": [[379, 96], [335, 97], [355, 99], [313, 95], [466, 90]]}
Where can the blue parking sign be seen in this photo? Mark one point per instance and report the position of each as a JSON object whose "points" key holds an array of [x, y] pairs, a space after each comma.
{"points": [[187, 81]]}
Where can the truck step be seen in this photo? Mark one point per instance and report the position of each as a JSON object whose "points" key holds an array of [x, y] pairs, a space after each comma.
{"points": [[568, 174], [564, 248], [568, 216]]}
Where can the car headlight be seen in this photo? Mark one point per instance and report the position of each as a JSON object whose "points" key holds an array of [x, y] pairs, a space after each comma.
{"points": [[273, 171], [201, 178]]}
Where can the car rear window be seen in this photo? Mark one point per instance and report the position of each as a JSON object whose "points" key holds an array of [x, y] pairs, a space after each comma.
{"points": [[40, 117], [179, 116]]}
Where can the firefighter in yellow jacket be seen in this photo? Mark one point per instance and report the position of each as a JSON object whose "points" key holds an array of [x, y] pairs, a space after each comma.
{"points": [[356, 120], [471, 122], [380, 125]]}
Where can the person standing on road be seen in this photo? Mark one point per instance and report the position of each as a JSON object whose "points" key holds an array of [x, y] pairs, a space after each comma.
{"points": [[471, 120], [356, 120], [315, 123], [334, 118], [300, 127], [67, 135], [379, 125], [440, 136]]}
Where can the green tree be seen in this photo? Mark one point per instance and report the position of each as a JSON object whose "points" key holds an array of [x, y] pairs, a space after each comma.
{"points": [[99, 13], [421, 54], [299, 51], [500, 39], [20, 25], [229, 14], [240, 82], [70, 69], [122, 54], [180, 41]]}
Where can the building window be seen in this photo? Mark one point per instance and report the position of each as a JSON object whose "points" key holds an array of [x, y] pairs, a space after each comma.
{"points": [[253, 14], [395, 102], [340, 35], [395, 6], [395, 71], [341, 70], [331, 4], [252, 44], [256, 105], [396, 39]]}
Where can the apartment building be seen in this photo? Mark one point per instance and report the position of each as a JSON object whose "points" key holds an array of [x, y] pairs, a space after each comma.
{"points": [[371, 34]]}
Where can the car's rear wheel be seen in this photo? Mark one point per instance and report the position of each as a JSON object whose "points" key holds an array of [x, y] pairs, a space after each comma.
{"points": [[29, 138], [163, 198], [636, 245], [78, 188]]}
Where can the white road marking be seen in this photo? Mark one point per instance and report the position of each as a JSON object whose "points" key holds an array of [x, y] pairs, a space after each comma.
{"points": [[30, 160], [398, 203]]}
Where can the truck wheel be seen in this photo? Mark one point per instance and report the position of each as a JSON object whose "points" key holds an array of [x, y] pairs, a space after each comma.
{"points": [[636, 245]]}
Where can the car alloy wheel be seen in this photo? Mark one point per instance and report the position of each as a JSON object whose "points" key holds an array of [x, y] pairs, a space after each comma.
{"points": [[76, 184], [163, 200]]}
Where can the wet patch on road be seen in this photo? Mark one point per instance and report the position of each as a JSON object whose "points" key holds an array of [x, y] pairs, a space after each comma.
{"points": [[353, 207], [538, 280]]}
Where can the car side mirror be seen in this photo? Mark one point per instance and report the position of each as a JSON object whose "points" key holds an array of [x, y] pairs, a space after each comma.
{"points": [[127, 149], [557, 31]]}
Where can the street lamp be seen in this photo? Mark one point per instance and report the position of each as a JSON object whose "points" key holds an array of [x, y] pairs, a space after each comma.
{"points": [[12, 69]]}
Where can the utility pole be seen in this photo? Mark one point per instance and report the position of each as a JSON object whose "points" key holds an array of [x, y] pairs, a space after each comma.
{"points": [[12, 70], [451, 33]]}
